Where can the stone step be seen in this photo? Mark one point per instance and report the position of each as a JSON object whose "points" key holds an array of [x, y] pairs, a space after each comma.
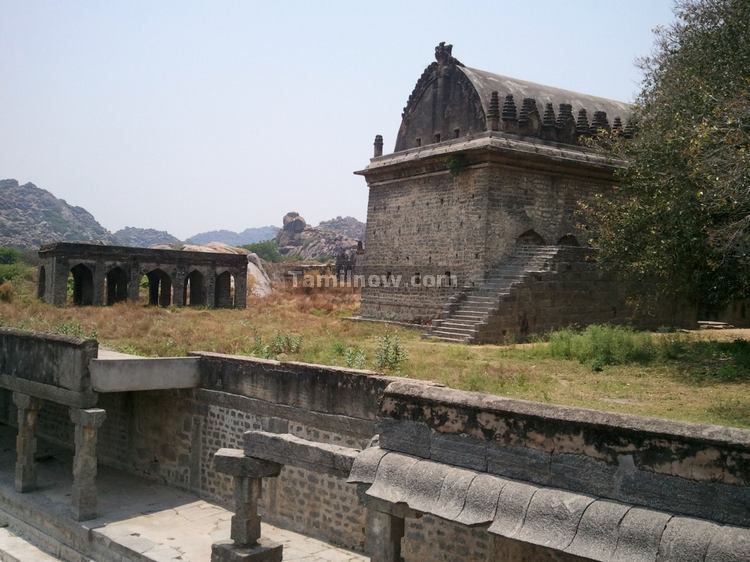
{"points": [[462, 328], [15, 548], [459, 322], [454, 332], [449, 340], [475, 298]]}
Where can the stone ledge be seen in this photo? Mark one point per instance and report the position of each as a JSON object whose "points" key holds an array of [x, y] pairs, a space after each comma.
{"points": [[288, 450]]}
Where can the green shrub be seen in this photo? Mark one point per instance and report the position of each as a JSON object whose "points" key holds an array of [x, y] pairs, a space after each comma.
{"points": [[390, 354], [355, 357], [267, 250], [281, 343], [74, 329], [9, 256], [286, 343], [601, 345]]}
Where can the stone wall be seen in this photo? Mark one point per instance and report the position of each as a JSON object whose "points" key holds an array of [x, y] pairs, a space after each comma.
{"points": [[428, 225], [573, 293], [461, 208], [171, 436]]}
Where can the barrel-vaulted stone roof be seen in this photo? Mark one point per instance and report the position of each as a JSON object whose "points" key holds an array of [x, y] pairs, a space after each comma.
{"points": [[451, 100], [487, 82]]}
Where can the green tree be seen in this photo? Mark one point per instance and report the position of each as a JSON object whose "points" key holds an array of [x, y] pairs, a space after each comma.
{"points": [[267, 250], [681, 213]]}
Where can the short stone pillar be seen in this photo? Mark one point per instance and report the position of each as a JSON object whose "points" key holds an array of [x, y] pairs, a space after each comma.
{"points": [[246, 545], [28, 410], [87, 423], [384, 534], [378, 146]]}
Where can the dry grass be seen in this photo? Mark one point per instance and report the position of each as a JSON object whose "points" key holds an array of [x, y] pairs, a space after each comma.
{"points": [[662, 389]]}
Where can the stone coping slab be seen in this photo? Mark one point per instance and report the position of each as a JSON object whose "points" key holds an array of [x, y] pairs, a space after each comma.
{"points": [[574, 523]]}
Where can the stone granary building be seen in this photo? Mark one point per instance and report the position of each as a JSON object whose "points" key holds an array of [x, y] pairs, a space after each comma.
{"points": [[104, 275], [472, 220]]}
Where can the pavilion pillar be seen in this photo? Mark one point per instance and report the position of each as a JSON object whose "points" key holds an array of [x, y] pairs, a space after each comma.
{"points": [[384, 534], [99, 297], [240, 289], [87, 423], [28, 411], [246, 545]]}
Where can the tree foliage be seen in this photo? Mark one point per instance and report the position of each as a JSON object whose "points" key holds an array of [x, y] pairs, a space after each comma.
{"points": [[681, 214], [267, 250]]}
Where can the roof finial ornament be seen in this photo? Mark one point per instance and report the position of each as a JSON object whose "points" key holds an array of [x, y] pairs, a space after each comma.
{"points": [[493, 114], [509, 108], [600, 122], [548, 120], [582, 124], [444, 55]]}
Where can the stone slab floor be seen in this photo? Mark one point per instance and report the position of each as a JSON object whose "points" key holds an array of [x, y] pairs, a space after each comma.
{"points": [[156, 521]]}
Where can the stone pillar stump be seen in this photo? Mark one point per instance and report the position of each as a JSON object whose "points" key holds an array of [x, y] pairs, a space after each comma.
{"points": [[28, 411], [246, 545], [384, 534], [87, 423]]}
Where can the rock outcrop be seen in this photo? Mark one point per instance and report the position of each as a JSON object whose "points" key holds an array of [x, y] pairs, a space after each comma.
{"points": [[143, 237], [347, 226], [31, 216], [247, 236], [305, 242]]}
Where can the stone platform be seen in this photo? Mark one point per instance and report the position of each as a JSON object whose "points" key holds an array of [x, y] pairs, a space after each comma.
{"points": [[140, 520]]}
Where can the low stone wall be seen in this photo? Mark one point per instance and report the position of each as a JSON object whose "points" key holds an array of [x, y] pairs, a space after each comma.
{"points": [[696, 470], [172, 435]]}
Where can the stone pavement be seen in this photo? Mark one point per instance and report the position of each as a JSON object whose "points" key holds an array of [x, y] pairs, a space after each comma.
{"points": [[152, 521]]}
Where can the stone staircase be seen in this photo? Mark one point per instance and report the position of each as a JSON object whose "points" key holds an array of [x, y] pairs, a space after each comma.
{"points": [[465, 313]]}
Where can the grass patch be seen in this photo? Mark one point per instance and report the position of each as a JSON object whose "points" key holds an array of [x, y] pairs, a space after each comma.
{"points": [[701, 376]]}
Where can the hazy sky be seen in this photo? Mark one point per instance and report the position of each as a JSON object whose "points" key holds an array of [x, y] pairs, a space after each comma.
{"points": [[192, 116]]}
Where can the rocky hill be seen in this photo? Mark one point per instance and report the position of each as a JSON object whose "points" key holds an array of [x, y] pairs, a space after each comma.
{"points": [[305, 242], [30, 217], [143, 237], [346, 226], [247, 236]]}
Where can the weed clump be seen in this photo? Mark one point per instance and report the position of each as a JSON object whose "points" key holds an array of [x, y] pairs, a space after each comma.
{"points": [[390, 353], [602, 345]]}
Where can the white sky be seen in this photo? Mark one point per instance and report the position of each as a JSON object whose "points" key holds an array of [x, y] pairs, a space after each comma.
{"points": [[191, 116]]}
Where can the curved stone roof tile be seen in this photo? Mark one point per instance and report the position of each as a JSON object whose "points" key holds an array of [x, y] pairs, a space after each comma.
{"points": [[570, 522]]}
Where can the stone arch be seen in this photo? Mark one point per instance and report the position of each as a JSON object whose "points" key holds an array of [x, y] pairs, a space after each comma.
{"points": [[195, 289], [117, 285], [41, 288], [568, 240], [225, 290], [531, 237], [159, 288], [83, 285]]}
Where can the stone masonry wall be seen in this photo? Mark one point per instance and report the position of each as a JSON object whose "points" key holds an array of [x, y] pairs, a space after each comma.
{"points": [[573, 293], [431, 221], [171, 436], [428, 224]]}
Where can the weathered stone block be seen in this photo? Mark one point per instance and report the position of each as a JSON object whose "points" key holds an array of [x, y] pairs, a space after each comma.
{"points": [[264, 551], [405, 436], [235, 463]]}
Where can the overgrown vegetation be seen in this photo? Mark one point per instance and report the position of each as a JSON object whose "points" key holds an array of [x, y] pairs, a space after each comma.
{"points": [[698, 376], [12, 270], [267, 250], [681, 217]]}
